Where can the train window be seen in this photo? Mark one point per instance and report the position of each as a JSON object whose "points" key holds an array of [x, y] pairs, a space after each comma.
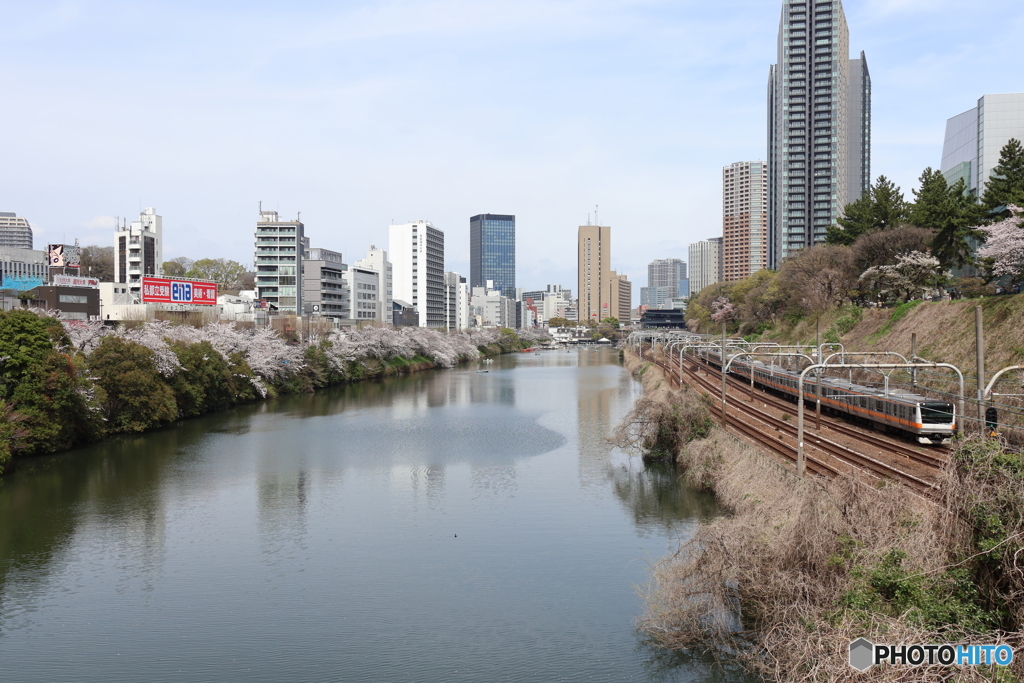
{"points": [[936, 413]]}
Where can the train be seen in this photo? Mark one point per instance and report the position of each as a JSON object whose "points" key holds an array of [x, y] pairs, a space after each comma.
{"points": [[928, 421]]}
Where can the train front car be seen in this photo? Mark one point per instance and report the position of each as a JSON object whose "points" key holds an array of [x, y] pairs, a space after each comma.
{"points": [[936, 422]]}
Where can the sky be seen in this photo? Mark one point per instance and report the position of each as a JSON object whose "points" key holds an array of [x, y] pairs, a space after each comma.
{"points": [[363, 114]]}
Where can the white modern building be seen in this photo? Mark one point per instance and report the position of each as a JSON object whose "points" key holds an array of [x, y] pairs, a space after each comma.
{"points": [[975, 138], [364, 291], [456, 296], [489, 307], [705, 264], [819, 127], [22, 269], [417, 256], [667, 273], [279, 250], [325, 291], [14, 231], [377, 260], [139, 252]]}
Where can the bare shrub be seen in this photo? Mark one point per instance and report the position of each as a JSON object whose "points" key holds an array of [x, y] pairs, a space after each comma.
{"points": [[818, 278], [802, 568], [660, 428]]}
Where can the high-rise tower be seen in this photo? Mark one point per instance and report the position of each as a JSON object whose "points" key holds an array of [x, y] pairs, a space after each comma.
{"points": [[594, 272], [819, 126], [492, 252], [744, 228], [417, 257]]}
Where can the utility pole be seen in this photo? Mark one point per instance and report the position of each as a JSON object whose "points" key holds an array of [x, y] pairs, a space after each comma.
{"points": [[979, 333], [913, 358], [817, 376], [723, 376]]}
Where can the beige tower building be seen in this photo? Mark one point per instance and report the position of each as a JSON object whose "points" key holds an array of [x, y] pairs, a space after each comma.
{"points": [[620, 296], [595, 258], [744, 219]]}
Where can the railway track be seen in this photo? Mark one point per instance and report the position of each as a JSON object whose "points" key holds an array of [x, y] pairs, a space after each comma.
{"points": [[779, 436], [935, 457]]}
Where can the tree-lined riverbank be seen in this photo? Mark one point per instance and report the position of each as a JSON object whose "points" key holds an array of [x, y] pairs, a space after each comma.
{"points": [[62, 385]]}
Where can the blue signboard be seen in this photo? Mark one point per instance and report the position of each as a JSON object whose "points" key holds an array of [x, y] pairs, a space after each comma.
{"points": [[21, 282]]}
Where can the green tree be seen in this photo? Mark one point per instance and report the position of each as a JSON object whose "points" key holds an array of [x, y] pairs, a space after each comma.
{"points": [[204, 383], [1005, 185], [614, 322], [881, 208], [135, 396], [25, 340], [174, 269], [98, 262], [42, 383], [951, 211], [222, 271]]}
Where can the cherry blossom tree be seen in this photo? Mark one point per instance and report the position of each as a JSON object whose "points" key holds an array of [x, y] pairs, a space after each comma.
{"points": [[722, 310], [1005, 245], [909, 278]]}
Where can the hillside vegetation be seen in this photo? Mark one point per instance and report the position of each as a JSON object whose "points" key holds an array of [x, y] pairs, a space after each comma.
{"points": [[945, 330]]}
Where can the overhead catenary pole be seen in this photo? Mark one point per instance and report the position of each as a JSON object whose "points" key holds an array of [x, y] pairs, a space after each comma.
{"points": [[817, 375], [979, 334], [913, 357], [723, 376]]}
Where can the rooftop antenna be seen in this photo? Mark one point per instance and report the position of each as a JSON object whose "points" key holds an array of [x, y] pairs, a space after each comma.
{"points": [[596, 219], [588, 219], [261, 206]]}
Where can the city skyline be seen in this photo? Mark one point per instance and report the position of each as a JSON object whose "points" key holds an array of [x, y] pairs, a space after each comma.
{"points": [[223, 114]]}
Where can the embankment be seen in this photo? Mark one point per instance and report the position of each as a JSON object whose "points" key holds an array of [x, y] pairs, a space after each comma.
{"points": [[945, 330], [800, 568], [66, 384]]}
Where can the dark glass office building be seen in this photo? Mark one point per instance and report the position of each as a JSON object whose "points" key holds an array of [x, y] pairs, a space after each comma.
{"points": [[492, 252]]}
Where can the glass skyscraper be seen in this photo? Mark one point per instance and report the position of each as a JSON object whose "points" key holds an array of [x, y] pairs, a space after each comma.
{"points": [[819, 126], [492, 252]]}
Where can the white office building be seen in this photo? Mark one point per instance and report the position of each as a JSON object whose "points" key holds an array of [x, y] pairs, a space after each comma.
{"points": [[14, 231], [489, 307], [456, 295], [364, 288], [139, 252], [705, 264], [279, 250], [975, 138], [377, 260], [417, 256]]}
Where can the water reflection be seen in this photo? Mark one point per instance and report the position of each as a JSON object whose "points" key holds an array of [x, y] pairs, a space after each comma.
{"points": [[345, 506], [657, 499]]}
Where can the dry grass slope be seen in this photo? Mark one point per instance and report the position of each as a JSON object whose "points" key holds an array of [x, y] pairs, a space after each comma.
{"points": [[799, 569]]}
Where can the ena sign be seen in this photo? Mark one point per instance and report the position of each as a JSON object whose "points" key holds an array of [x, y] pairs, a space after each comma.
{"points": [[161, 290]]}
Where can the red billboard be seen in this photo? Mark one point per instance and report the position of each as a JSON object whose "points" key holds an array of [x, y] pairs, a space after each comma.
{"points": [[164, 290]]}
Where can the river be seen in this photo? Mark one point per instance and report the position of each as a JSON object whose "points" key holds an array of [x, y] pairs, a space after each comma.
{"points": [[447, 526]]}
